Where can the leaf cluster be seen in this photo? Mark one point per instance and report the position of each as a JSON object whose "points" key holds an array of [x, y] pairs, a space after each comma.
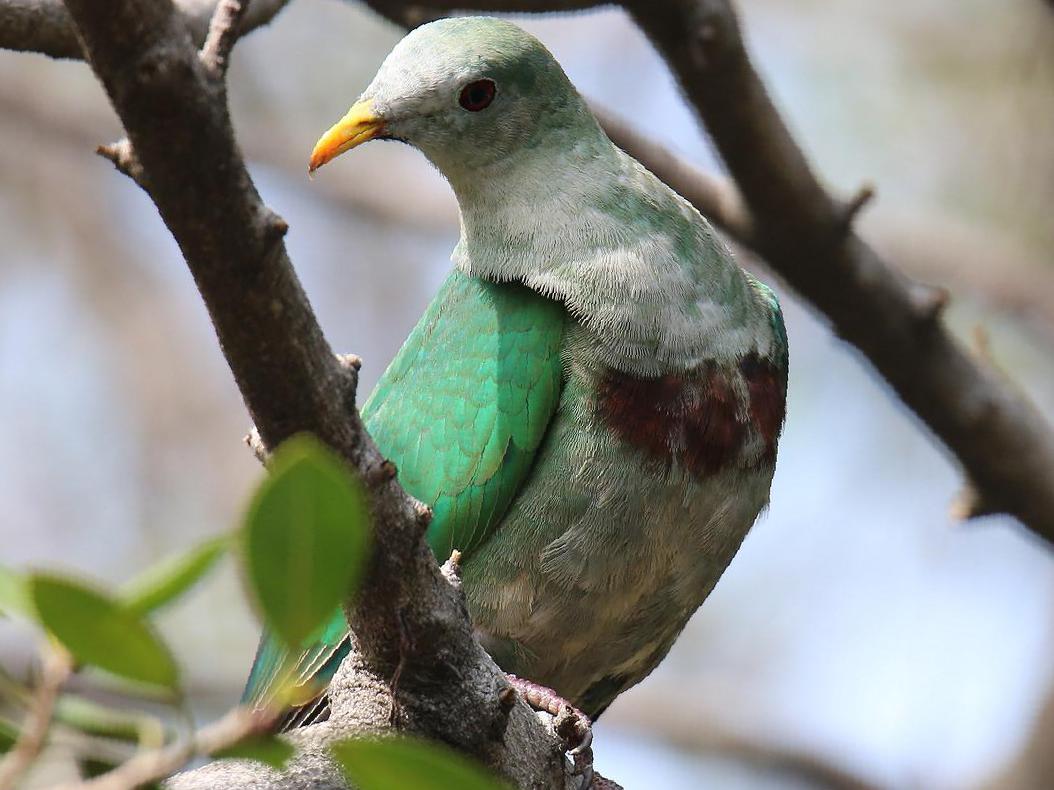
{"points": [[303, 546]]}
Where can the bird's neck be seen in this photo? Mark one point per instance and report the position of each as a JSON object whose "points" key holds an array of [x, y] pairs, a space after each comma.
{"points": [[582, 223]]}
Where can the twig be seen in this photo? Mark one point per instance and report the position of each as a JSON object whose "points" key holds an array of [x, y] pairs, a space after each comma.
{"points": [[152, 766], [223, 31], [856, 204], [55, 670], [123, 158]]}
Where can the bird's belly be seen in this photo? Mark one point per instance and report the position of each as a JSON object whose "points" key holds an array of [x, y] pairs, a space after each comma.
{"points": [[601, 561]]}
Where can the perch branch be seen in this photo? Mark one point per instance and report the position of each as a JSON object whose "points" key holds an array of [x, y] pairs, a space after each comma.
{"points": [[408, 618]]}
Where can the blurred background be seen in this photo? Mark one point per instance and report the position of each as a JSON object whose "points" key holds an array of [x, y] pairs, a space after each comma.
{"points": [[862, 638]]}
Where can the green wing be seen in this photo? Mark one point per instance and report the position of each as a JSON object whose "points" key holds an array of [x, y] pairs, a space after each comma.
{"points": [[461, 412], [465, 404]]}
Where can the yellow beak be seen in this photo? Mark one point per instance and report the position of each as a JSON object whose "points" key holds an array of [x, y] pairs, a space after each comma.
{"points": [[358, 126]]}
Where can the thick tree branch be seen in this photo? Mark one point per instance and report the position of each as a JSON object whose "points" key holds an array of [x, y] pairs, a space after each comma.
{"points": [[409, 619], [45, 26], [1004, 446]]}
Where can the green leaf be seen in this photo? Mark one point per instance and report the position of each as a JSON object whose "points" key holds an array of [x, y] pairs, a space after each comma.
{"points": [[266, 749], [8, 736], [98, 630], [403, 763], [307, 535], [14, 598], [166, 581]]}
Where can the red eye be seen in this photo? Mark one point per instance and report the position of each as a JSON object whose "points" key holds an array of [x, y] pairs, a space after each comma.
{"points": [[477, 95]]}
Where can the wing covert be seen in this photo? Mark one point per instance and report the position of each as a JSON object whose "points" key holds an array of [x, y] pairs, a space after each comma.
{"points": [[463, 407]]}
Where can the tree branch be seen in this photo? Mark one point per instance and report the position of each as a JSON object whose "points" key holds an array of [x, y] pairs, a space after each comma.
{"points": [[409, 618], [45, 26]]}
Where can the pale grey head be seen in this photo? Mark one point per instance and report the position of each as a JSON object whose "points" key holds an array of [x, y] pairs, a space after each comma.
{"points": [[468, 92]]}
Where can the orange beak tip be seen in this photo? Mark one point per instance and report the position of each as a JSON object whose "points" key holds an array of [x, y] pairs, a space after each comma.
{"points": [[359, 125]]}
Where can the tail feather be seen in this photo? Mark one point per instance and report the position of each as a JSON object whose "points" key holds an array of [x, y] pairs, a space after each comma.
{"points": [[277, 672]]}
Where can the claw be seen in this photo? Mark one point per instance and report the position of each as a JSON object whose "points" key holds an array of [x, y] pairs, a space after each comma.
{"points": [[582, 754], [587, 740], [573, 726]]}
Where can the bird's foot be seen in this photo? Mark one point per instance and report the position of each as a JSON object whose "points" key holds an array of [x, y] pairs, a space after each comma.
{"points": [[571, 725]]}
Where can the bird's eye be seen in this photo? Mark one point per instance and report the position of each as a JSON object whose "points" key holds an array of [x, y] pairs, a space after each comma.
{"points": [[477, 95]]}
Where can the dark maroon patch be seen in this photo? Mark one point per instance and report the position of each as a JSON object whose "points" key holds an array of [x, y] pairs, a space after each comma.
{"points": [[696, 419], [767, 385], [691, 420]]}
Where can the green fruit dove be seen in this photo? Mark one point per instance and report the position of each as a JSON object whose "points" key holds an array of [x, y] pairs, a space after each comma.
{"points": [[592, 402]]}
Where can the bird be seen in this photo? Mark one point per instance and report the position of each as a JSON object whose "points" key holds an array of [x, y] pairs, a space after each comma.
{"points": [[592, 403]]}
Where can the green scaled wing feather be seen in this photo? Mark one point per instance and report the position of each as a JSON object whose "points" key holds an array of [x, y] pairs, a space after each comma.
{"points": [[466, 402], [461, 412]]}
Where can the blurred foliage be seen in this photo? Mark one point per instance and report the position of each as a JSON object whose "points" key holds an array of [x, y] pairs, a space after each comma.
{"points": [[165, 582], [307, 540], [267, 749], [99, 630], [14, 598]]}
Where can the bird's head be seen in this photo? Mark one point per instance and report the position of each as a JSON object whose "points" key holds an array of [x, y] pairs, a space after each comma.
{"points": [[468, 92]]}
